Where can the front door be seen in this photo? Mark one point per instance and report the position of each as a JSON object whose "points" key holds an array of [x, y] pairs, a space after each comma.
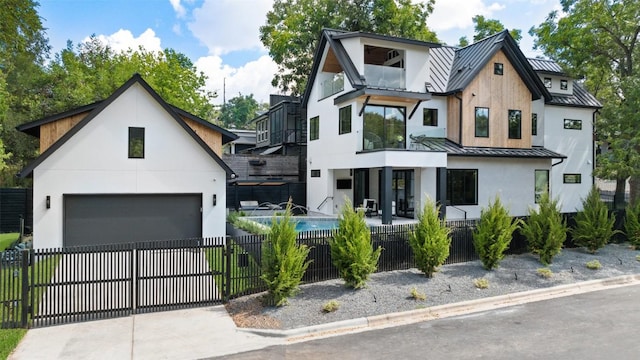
{"points": [[403, 194]]}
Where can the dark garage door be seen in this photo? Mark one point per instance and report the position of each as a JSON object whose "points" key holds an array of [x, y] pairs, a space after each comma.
{"points": [[117, 219]]}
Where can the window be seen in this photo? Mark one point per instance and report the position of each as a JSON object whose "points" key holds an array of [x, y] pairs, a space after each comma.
{"points": [[542, 183], [564, 84], [384, 127], [572, 178], [515, 124], [534, 124], [315, 173], [482, 122], [573, 124], [314, 128], [498, 68], [462, 187], [430, 117], [345, 120], [547, 83], [261, 131], [136, 143]]}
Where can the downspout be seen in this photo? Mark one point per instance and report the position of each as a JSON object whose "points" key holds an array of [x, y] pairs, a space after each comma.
{"points": [[558, 163], [460, 120]]}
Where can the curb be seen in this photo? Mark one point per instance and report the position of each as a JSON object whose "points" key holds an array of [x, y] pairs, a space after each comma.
{"points": [[446, 310]]}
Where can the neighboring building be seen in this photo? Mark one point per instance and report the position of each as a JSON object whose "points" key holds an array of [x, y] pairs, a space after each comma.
{"points": [[246, 140], [395, 120], [126, 169]]}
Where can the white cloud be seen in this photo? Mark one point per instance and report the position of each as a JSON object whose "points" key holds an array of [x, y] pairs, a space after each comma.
{"points": [[254, 77], [178, 8], [457, 14], [224, 26], [123, 40]]}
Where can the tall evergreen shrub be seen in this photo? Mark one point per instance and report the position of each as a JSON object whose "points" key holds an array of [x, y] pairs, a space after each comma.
{"points": [[493, 233], [632, 223], [430, 241], [283, 260], [594, 226], [352, 252], [545, 229]]}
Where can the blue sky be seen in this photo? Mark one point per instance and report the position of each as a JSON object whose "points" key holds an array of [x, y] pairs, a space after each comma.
{"points": [[221, 36]]}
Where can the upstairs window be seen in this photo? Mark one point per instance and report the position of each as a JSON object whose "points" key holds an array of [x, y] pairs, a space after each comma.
{"points": [[534, 124], [564, 84], [314, 128], [482, 122], [498, 68], [345, 120], [547, 83], [515, 124], [572, 124], [430, 117], [136, 143]]}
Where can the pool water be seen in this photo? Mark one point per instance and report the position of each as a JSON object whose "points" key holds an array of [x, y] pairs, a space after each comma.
{"points": [[304, 224]]}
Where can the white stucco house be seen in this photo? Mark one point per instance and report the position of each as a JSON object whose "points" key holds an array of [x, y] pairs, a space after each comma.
{"points": [[129, 168], [396, 120]]}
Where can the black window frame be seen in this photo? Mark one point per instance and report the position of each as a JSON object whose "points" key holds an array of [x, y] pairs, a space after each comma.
{"points": [[537, 192], [429, 114], [315, 173], [344, 120], [548, 82], [476, 121], [513, 132], [136, 134], [498, 68], [573, 124], [534, 124], [314, 128], [454, 180], [564, 84], [566, 178]]}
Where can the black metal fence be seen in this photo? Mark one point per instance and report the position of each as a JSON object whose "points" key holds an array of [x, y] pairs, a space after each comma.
{"points": [[15, 204], [54, 286]]}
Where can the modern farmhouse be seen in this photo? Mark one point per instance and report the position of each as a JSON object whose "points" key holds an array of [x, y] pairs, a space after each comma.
{"points": [[392, 120], [129, 168]]}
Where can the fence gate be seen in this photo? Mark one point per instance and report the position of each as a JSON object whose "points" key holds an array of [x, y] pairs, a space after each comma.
{"points": [[57, 286]]}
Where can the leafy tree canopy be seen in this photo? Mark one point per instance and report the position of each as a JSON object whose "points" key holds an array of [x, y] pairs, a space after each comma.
{"points": [[239, 111], [486, 27], [292, 27]]}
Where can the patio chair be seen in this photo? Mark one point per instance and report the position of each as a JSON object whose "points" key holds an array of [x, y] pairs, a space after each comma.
{"points": [[370, 207]]}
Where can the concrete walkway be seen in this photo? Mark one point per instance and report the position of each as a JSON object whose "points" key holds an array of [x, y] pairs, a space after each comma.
{"points": [[181, 334]]}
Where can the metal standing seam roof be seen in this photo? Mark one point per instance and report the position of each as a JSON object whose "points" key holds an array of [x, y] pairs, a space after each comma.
{"points": [[544, 65], [580, 98], [453, 149], [441, 60]]}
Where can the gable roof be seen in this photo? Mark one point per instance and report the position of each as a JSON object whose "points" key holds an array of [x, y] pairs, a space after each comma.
{"points": [[469, 60], [96, 108], [331, 38]]}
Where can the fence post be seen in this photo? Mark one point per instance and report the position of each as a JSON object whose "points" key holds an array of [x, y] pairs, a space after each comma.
{"points": [[24, 311], [227, 253]]}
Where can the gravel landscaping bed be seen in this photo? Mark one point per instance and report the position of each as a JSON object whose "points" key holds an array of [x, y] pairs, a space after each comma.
{"points": [[390, 292]]}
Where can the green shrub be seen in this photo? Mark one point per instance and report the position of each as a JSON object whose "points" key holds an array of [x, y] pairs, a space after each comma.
{"points": [[283, 260], [330, 306], [593, 265], [545, 229], [493, 233], [430, 241], [545, 272], [481, 283], [638, 257], [632, 223], [351, 248], [594, 226], [417, 294]]}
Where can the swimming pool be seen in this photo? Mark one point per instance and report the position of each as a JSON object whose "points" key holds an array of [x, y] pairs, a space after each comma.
{"points": [[303, 223]]}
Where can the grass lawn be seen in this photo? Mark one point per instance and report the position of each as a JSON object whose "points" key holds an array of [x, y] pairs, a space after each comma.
{"points": [[7, 239], [9, 339], [243, 279]]}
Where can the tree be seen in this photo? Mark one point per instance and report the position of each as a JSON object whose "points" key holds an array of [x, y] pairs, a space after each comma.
{"points": [[487, 27], [431, 239], [597, 40], [545, 229], [493, 233], [239, 111], [594, 225], [292, 29]]}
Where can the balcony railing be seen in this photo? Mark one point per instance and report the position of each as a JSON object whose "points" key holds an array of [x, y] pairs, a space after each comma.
{"points": [[332, 86], [385, 76]]}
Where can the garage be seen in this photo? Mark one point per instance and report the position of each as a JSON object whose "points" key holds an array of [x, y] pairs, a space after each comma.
{"points": [[117, 219]]}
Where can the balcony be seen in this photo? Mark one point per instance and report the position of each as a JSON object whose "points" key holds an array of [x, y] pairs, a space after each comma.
{"points": [[331, 86], [385, 77]]}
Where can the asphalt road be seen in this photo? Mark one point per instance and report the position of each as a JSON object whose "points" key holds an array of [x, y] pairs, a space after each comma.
{"points": [[597, 325]]}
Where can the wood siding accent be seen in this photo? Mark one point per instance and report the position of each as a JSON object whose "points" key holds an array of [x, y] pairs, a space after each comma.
{"points": [[53, 131], [211, 137], [453, 119], [499, 93]]}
